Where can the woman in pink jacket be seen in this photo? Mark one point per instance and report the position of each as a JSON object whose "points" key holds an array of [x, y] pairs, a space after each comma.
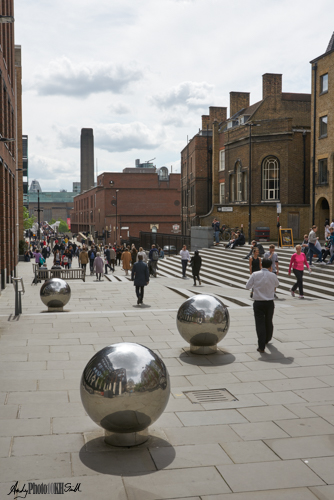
{"points": [[297, 262]]}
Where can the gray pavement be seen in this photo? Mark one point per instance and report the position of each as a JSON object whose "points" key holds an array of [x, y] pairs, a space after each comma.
{"points": [[275, 442]]}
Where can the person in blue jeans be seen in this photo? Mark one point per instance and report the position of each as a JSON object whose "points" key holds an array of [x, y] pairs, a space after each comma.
{"points": [[215, 225], [312, 239]]}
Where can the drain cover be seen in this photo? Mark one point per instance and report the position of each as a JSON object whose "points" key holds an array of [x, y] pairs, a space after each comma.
{"points": [[210, 396]]}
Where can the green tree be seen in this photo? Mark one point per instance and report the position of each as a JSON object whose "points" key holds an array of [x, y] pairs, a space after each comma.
{"points": [[52, 221], [27, 220], [63, 227]]}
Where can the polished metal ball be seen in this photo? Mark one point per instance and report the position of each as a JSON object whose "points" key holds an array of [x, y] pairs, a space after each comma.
{"points": [[125, 388], [55, 293], [203, 321]]}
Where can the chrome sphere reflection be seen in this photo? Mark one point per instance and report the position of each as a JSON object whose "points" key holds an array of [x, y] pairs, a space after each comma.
{"points": [[55, 293], [203, 321], [125, 388]]}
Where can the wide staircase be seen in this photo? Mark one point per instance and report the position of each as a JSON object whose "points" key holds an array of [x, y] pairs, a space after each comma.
{"points": [[222, 266]]}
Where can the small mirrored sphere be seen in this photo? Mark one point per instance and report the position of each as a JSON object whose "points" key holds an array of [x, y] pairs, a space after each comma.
{"points": [[125, 388], [55, 292], [203, 321]]}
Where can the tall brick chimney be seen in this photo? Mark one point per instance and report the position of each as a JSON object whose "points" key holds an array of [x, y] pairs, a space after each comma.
{"points": [[215, 113], [271, 85], [238, 101]]}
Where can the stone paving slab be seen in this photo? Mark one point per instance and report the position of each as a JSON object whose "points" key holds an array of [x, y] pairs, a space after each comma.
{"points": [[274, 442]]}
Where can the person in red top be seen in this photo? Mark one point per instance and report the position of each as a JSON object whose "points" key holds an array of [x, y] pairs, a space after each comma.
{"points": [[297, 262]]}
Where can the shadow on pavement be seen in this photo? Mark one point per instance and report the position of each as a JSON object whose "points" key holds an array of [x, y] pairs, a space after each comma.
{"points": [[218, 359], [156, 454], [278, 356]]}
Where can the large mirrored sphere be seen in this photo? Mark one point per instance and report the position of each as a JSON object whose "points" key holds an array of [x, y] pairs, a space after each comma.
{"points": [[125, 388], [55, 293], [203, 321]]}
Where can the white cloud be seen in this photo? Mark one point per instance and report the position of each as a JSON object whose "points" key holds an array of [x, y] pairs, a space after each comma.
{"points": [[120, 108], [63, 77], [192, 95], [116, 137], [52, 174]]}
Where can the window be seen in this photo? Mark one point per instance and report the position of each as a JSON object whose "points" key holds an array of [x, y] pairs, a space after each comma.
{"points": [[245, 187], [222, 193], [323, 126], [192, 195], [232, 187], [270, 178], [324, 83], [322, 172], [222, 160], [239, 183]]}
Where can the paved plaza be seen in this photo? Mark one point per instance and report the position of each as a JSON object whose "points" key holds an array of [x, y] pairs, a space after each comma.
{"points": [[275, 442]]}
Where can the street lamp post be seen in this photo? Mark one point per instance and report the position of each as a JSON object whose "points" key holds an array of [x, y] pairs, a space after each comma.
{"points": [[38, 210]]}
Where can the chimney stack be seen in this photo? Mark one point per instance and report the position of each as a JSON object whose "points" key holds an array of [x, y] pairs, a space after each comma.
{"points": [[86, 159], [271, 85], [238, 101]]}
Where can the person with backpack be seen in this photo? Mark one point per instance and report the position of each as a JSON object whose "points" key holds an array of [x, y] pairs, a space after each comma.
{"points": [[154, 257]]}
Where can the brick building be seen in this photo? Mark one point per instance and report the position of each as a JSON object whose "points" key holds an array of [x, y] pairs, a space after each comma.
{"points": [[10, 151], [146, 199], [196, 171], [322, 137], [273, 136]]}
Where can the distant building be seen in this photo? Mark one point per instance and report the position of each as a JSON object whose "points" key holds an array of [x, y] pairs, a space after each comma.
{"points": [[322, 138], [34, 187], [147, 199], [76, 187], [55, 205]]}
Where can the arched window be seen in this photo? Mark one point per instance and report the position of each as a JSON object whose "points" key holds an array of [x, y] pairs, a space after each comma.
{"points": [[270, 178]]}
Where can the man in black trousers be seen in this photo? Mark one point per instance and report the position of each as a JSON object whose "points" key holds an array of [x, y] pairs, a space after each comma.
{"points": [[263, 284], [141, 278]]}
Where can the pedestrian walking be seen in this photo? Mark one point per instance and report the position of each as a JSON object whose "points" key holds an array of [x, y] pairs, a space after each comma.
{"points": [[98, 266], [118, 255], [91, 255], [297, 262], [126, 259], [254, 264], [312, 240], [216, 227], [263, 284], [143, 253], [196, 263], [185, 258], [154, 257], [83, 258], [141, 277], [272, 255], [112, 261], [134, 252]]}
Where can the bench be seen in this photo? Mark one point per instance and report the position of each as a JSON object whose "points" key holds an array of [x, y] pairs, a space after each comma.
{"points": [[64, 274]]}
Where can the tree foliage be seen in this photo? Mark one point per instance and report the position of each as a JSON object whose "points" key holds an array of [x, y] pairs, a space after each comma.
{"points": [[63, 227], [27, 220]]}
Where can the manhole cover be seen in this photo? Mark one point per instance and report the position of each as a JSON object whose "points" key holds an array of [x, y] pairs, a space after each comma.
{"points": [[210, 396]]}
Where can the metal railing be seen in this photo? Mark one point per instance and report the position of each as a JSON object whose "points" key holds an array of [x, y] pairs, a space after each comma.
{"points": [[18, 291]]}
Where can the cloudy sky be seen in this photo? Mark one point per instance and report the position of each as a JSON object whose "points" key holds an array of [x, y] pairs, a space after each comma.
{"points": [[142, 72]]}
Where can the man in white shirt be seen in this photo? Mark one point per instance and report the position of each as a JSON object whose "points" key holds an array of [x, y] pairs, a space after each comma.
{"points": [[263, 284], [185, 258]]}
